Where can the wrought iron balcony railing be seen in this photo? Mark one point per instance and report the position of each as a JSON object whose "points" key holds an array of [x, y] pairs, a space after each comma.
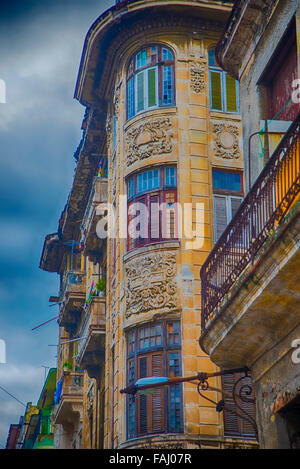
{"points": [[72, 281], [274, 192], [69, 393], [92, 333]]}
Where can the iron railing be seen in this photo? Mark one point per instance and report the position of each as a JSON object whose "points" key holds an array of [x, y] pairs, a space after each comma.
{"points": [[260, 213], [72, 280]]}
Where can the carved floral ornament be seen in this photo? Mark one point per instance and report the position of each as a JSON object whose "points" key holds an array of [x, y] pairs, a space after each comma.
{"points": [[116, 100], [150, 138], [197, 75], [150, 283], [226, 141], [108, 126]]}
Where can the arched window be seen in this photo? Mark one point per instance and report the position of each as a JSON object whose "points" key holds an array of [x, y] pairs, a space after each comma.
{"points": [[150, 80], [224, 89]]}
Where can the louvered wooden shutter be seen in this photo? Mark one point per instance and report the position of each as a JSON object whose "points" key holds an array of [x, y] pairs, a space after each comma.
{"points": [[169, 215], [234, 424], [235, 203], [131, 231], [158, 397], [140, 91], [216, 90], [154, 214], [142, 408], [152, 87], [220, 215], [142, 226], [151, 413], [231, 94]]}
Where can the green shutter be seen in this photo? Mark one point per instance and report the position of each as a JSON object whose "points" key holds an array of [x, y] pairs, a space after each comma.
{"points": [[231, 95], [216, 90], [151, 87], [140, 91]]}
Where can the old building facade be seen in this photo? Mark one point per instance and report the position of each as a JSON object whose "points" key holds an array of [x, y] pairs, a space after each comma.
{"points": [[159, 175], [250, 281]]}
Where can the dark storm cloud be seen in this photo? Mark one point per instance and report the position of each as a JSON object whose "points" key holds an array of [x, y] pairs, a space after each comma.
{"points": [[40, 50]]}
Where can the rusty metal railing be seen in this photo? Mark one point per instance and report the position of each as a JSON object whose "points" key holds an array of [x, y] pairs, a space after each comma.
{"points": [[268, 201]]}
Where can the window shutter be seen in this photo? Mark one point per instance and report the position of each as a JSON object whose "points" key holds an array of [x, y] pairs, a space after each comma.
{"points": [[231, 424], [216, 90], [158, 396], [143, 225], [220, 215], [169, 216], [131, 231], [152, 87], [231, 94], [235, 203], [142, 416], [234, 425], [154, 213], [140, 91]]}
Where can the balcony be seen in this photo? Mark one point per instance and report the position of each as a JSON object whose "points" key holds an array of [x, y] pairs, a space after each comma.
{"points": [[69, 399], [91, 348], [72, 297], [250, 280], [94, 210]]}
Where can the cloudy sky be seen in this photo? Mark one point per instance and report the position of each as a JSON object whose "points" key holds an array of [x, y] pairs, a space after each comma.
{"points": [[40, 50]]}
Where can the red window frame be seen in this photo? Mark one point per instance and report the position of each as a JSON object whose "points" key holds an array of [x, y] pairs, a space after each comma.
{"points": [[161, 194]]}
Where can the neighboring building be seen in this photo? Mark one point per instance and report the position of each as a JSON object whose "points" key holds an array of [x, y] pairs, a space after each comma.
{"points": [[251, 279], [35, 428], [13, 436], [24, 423], [43, 434], [162, 129]]}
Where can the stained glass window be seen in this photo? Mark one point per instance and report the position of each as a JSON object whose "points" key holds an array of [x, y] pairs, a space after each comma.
{"points": [[150, 80]]}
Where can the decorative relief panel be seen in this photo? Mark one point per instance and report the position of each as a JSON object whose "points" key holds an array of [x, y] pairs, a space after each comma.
{"points": [[150, 138], [150, 283], [197, 74], [226, 141], [108, 129], [116, 100]]}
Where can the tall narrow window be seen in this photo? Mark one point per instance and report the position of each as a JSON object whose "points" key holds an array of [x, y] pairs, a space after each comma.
{"points": [[227, 197], [224, 90], [150, 80], [154, 350]]}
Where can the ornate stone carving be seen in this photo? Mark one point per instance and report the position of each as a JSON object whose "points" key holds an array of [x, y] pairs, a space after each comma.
{"points": [[227, 141], [150, 138], [197, 74], [150, 283], [162, 445], [116, 100], [108, 128]]}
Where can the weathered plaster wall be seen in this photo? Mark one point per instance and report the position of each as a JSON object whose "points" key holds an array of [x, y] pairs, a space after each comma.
{"points": [[253, 108]]}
